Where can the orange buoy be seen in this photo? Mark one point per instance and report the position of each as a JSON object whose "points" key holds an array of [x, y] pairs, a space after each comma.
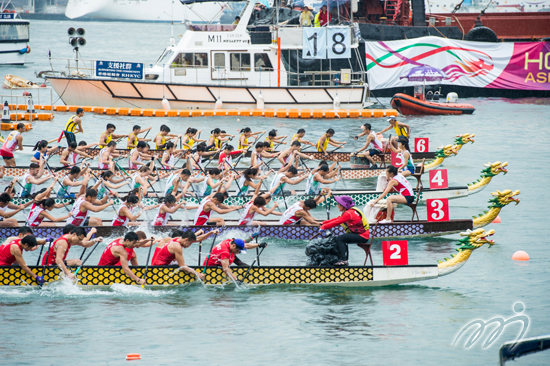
{"points": [[520, 255], [133, 356], [496, 221]]}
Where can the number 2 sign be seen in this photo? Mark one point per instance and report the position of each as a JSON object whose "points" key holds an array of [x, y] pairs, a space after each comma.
{"points": [[438, 209], [395, 253], [421, 144], [438, 179]]}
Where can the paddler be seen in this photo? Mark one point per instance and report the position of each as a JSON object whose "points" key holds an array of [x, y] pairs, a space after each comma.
{"points": [[272, 138], [116, 252], [318, 176], [189, 138], [172, 251], [13, 142], [257, 205], [247, 133], [57, 253], [217, 137], [6, 218], [373, 145], [286, 175], [74, 125], [107, 136], [355, 225], [293, 151], [407, 167], [70, 180], [299, 136], [160, 138], [34, 178], [139, 155], [85, 204], [398, 182], [327, 139], [133, 137], [106, 155], [298, 213], [12, 252], [209, 204], [400, 128], [258, 155], [72, 154], [224, 253]]}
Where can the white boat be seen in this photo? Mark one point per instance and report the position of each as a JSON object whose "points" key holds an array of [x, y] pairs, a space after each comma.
{"points": [[227, 66], [476, 6], [14, 37], [142, 10]]}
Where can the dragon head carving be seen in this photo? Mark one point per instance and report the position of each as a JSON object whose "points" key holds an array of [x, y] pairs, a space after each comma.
{"points": [[446, 151], [474, 239], [494, 169], [503, 198], [464, 139]]}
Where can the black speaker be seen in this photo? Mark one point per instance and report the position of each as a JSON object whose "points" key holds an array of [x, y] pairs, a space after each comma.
{"points": [[71, 31], [81, 42], [73, 41], [80, 32]]}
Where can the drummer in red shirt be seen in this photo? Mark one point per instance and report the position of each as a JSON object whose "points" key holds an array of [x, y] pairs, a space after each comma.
{"points": [[354, 223], [116, 252], [223, 254], [173, 251]]}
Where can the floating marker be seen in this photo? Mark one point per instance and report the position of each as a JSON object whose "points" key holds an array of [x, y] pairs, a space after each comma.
{"points": [[520, 255], [496, 221]]}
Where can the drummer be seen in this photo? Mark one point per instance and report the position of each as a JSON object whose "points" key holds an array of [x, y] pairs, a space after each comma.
{"points": [[401, 130], [355, 225], [398, 182]]}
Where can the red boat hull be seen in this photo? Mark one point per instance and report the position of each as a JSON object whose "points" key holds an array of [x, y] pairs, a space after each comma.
{"points": [[408, 105]]}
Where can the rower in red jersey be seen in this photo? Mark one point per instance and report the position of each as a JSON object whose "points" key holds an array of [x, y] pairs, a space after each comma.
{"points": [[115, 252], [214, 203], [173, 251], [12, 252], [57, 253]]}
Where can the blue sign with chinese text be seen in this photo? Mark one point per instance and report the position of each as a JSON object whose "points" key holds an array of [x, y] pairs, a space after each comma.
{"points": [[120, 70], [7, 16]]}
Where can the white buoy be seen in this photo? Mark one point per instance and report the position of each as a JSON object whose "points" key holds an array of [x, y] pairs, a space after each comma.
{"points": [[6, 112], [260, 101], [219, 104], [336, 102], [165, 104], [452, 98], [30, 104]]}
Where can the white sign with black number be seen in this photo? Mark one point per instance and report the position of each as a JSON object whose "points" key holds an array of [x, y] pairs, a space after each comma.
{"points": [[314, 43], [339, 42]]}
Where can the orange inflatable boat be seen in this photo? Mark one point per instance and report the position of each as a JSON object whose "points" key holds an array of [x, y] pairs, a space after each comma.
{"points": [[408, 105]]}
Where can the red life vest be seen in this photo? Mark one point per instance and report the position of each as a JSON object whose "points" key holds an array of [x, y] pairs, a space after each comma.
{"points": [[107, 258], [164, 257], [220, 252], [51, 254]]}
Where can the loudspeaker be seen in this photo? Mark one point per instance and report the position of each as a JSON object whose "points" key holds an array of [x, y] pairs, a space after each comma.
{"points": [[71, 31], [73, 41], [80, 32], [81, 41]]}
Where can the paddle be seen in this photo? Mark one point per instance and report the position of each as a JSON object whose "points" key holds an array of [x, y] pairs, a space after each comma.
{"points": [[327, 198], [221, 149], [84, 261], [147, 263], [249, 268], [62, 187], [84, 251], [283, 193], [39, 255], [45, 263], [209, 253]]}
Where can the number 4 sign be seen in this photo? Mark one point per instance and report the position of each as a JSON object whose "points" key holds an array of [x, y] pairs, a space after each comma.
{"points": [[438, 209], [438, 179], [395, 253], [421, 144]]}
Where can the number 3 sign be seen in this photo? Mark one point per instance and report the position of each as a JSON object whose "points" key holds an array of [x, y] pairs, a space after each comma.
{"points": [[421, 144], [395, 253], [438, 209]]}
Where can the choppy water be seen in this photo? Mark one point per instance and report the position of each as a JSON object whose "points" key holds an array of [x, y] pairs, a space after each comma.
{"points": [[413, 324]]}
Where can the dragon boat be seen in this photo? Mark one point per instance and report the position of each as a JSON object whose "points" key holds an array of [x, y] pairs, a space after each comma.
{"points": [[162, 276], [361, 197], [396, 229]]}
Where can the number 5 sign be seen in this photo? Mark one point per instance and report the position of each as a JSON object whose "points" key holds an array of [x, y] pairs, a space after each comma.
{"points": [[421, 144], [438, 209], [438, 179], [396, 159], [395, 253]]}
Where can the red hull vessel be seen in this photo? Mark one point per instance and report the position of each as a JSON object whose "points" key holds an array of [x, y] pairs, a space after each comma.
{"points": [[408, 105]]}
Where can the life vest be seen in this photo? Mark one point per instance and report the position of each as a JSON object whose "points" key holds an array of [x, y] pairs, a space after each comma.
{"points": [[356, 227], [241, 146], [316, 20], [108, 139], [400, 131], [162, 142], [189, 142], [133, 142], [325, 144], [71, 124]]}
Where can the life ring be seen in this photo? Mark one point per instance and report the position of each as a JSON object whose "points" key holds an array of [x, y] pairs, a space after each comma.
{"points": [[28, 49], [481, 34]]}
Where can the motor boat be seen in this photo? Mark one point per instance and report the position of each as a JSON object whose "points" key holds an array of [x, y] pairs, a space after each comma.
{"points": [[14, 37], [429, 103]]}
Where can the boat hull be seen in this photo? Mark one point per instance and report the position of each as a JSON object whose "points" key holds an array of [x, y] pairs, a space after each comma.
{"points": [[408, 105], [398, 229], [95, 276], [134, 94]]}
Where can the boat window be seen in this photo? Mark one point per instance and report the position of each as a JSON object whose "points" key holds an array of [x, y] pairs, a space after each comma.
{"points": [[163, 59], [219, 60], [240, 61], [190, 59], [261, 60], [14, 32], [200, 60]]}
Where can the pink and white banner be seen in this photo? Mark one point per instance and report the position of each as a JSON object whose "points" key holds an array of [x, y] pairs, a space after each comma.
{"points": [[520, 66]]}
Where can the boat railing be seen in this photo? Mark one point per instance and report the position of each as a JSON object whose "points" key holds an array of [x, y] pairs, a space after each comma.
{"points": [[327, 78]]}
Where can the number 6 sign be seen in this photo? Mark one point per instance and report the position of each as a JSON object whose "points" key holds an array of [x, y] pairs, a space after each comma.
{"points": [[438, 209], [395, 253], [421, 144]]}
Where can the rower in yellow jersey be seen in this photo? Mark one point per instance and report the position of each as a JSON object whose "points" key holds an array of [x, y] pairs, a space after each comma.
{"points": [[217, 137], [108, 135], [272, 138], [189, 138], [401, 129], [299, 136], [247, 133], [327, 139], [133, 138], [160, 138], [74, 125]]}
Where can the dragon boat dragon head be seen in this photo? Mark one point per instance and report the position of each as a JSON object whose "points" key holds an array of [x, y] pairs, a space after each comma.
{"points": [[446, 151], [503, 198], [473, 239], [491, 170], [463, 139]]}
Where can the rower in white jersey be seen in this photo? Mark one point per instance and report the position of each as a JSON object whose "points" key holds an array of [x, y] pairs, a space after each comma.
{"points": [[215, 183], [168, 158], [286, 175], [32, 178], [373, 145], [83, 206], [13, 142], [125, 212], [69, 181], [400, 184], [257, 205], [214, 203], [246, 181], [298, 213], [72, 155], [318, 176]]}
